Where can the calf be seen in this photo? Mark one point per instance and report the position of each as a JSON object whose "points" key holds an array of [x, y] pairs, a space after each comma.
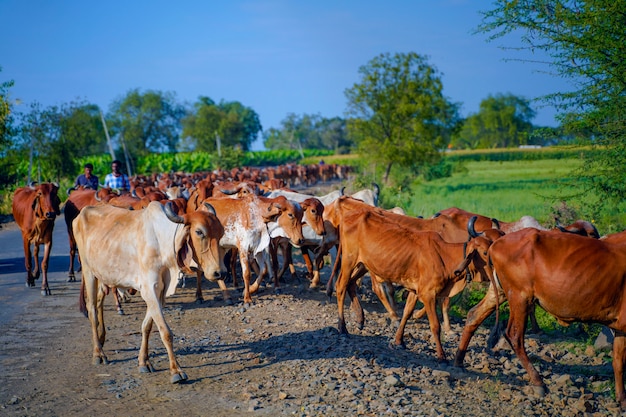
{"points": [[420, 261]]}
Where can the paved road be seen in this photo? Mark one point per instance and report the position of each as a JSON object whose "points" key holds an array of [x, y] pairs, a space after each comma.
{"points": [[15, 297]]}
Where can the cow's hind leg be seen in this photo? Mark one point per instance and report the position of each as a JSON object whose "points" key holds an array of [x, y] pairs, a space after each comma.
{"points": [[118, 303], [95, 311], [411, 301], [430, 303], [619, 356]]}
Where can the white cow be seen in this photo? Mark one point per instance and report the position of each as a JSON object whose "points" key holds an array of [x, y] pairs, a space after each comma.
{"points": [[143, 250]]}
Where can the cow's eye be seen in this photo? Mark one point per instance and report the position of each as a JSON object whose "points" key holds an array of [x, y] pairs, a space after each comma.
{"points": [[199, 233]]}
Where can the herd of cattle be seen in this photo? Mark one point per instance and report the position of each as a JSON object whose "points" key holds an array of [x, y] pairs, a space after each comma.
{"points": [[174, 225]]}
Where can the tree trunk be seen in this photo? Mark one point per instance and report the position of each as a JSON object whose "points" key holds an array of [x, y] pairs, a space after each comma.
{"points": [[387, 171]]}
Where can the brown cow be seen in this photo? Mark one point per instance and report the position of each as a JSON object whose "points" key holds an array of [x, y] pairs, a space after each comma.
{"points": [[482, 223], [78, 198], [420, 261], [574, 278], [35, 209], [313, 229], [450, 231]]}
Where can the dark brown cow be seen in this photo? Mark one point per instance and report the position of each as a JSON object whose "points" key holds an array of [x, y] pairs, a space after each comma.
{"points": [[574, 278], [78, 198], [35, 209]]}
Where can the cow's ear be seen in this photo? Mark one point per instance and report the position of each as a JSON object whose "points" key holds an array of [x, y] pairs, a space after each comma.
{"points": [[184, 256]]}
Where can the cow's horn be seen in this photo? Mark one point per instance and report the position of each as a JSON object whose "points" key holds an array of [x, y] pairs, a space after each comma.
{"points": [[229, 192], [470, 226], [210, 209], [97, 197], [169, 212], [342, 191], [69, 190], [495, 224]]}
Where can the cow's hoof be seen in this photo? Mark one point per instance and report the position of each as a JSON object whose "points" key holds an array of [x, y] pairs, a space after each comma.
{"points": [[178, 378], [100, 360], [394, 346], [120, 311], [278, 291], [146, 369], [199, 300], [45, 292], [538, 391]]}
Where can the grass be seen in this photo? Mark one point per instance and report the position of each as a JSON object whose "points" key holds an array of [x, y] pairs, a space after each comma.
{"points": [[504, 190]]}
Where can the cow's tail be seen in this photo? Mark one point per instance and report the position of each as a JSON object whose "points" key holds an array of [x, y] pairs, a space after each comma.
{"points": [[329, 284], [498, 328], [82, 305]]}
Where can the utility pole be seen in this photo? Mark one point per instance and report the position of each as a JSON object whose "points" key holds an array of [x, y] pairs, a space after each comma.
{"points": [[106, 132]]}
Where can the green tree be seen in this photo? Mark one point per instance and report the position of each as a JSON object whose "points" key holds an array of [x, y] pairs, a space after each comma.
{"points": [[6, 119], [39, 136], [308, 132], [399, 113], [235, 125], [8, 157], [333, 134], [503, 121], [82, 130], [586, 43], [147, 122]]}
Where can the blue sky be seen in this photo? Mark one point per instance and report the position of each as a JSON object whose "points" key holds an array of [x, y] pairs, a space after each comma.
{"points": [[275, 56]]}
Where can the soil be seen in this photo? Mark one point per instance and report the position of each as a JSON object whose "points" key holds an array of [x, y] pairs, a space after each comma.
{"points": [[281, 356]]}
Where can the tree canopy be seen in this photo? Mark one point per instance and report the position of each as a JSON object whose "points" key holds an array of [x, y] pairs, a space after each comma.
{"points": [[399, 114], [586, 43], [5, 112], [503, 120], [147, 122], [235, 125], [309, 131]]}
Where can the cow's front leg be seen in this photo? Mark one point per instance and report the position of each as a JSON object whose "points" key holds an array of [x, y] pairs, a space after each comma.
{"points": [[45, 289]]}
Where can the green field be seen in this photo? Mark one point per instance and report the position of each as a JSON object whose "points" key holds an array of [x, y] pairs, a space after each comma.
{"points": [[504, 190]]}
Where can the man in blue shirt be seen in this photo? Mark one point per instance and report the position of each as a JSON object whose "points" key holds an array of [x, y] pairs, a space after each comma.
{"points": [[87, 180], [116, 179]]}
